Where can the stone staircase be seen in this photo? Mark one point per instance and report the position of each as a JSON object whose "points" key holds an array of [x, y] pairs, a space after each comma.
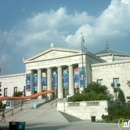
{"points": [[45, 112]]}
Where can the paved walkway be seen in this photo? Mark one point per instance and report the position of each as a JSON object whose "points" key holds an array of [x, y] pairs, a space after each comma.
{"points": [[81, 125]]}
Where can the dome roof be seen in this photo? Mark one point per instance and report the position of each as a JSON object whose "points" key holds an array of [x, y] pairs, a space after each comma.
{"points": [[107, 51]]}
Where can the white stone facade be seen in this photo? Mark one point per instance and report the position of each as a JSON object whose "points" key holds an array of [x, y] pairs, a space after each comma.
{"points": [[108, 71], [11, 82], [58, 58], [84, 110]]}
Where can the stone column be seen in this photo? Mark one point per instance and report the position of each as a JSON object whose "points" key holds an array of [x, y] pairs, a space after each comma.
{"points": [[49, 81], [60, 86], [32, 82], [71, 80], [39, 82]]}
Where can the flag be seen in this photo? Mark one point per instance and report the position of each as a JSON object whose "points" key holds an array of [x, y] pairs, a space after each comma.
{"points": [[83, 44], [82, 39]]}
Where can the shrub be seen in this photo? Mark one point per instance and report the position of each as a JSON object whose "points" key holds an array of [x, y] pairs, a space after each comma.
{"points": [[18, 94], [121, 96], [88, 97], [107, 117], [2, 106]]}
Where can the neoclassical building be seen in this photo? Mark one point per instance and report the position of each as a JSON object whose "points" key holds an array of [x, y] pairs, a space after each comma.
{"points": [[69, 70], [60, 69]]}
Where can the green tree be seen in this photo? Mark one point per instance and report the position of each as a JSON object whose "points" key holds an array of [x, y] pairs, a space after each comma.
{"points": [[2, 106], [94, 91], [121, 96], [97, 88]]}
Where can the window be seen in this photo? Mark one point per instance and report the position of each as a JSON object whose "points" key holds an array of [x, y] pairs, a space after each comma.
{"points": [[5, 91], [92, 103], [100, 81], [15, 89], [24, 92], [116, 82]]}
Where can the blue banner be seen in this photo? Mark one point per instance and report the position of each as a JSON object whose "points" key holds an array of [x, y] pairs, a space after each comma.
{"points": [[76, 78], [83, 80], [7, 103], [65, 78], [54, 79], [35, 81], [44, 81], [27, 82]]}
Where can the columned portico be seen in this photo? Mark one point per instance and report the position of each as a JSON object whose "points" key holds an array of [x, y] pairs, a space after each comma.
{"points": [[60, 86], [71, 81], [55, 68], [39, 82]]}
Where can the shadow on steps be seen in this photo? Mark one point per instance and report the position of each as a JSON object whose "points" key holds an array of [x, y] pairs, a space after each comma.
{"points": [[70, 118]]}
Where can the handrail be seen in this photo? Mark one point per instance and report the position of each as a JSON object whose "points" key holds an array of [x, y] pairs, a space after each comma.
{"points": [[16, 106], [60, 99]]}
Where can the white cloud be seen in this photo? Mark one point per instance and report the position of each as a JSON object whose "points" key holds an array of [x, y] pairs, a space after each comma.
{"points": [[113, 23], [46, 27], [35, 33]]}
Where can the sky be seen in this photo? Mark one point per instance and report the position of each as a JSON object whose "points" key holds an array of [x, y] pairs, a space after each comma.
{"points": [[28, 27]]}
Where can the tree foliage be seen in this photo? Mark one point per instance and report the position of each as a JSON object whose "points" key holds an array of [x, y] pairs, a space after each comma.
{"points": [[94, 91], [97, 88], [2, 106]]}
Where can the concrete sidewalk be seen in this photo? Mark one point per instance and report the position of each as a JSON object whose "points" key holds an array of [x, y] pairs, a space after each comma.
{"points": [[81, 125]]}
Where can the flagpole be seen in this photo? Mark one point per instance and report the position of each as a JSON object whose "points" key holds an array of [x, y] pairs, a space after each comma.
{"points": [[82, 49]]}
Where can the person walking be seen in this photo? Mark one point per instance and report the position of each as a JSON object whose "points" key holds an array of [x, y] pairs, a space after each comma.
{"points": [[3, 117]]}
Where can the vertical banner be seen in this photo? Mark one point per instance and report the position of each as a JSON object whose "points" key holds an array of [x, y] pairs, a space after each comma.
{"points": [[83, 80], [76, 78], [28, 82], [44, 81], [7, 103], [65, 76], [54, 79], [35, 81]]}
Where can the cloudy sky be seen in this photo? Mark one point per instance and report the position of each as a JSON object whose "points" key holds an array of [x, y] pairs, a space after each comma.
{"points": [[27, 27]]}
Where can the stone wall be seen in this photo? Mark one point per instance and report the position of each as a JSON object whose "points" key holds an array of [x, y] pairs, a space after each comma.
{"points": [[108, 71], [85, 109], [11, 81]]}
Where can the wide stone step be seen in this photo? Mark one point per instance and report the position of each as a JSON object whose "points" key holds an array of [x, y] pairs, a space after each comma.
{"points": [[42, 114]]}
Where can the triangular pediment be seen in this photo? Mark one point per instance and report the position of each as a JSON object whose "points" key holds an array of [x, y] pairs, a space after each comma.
{"points": [[52, 53]]}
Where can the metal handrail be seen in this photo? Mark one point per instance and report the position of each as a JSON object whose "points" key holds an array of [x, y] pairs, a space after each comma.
{"points": [[16, 106], [60, 99]]}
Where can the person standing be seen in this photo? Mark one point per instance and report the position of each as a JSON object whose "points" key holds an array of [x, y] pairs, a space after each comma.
{"points": [[3, 117]]}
